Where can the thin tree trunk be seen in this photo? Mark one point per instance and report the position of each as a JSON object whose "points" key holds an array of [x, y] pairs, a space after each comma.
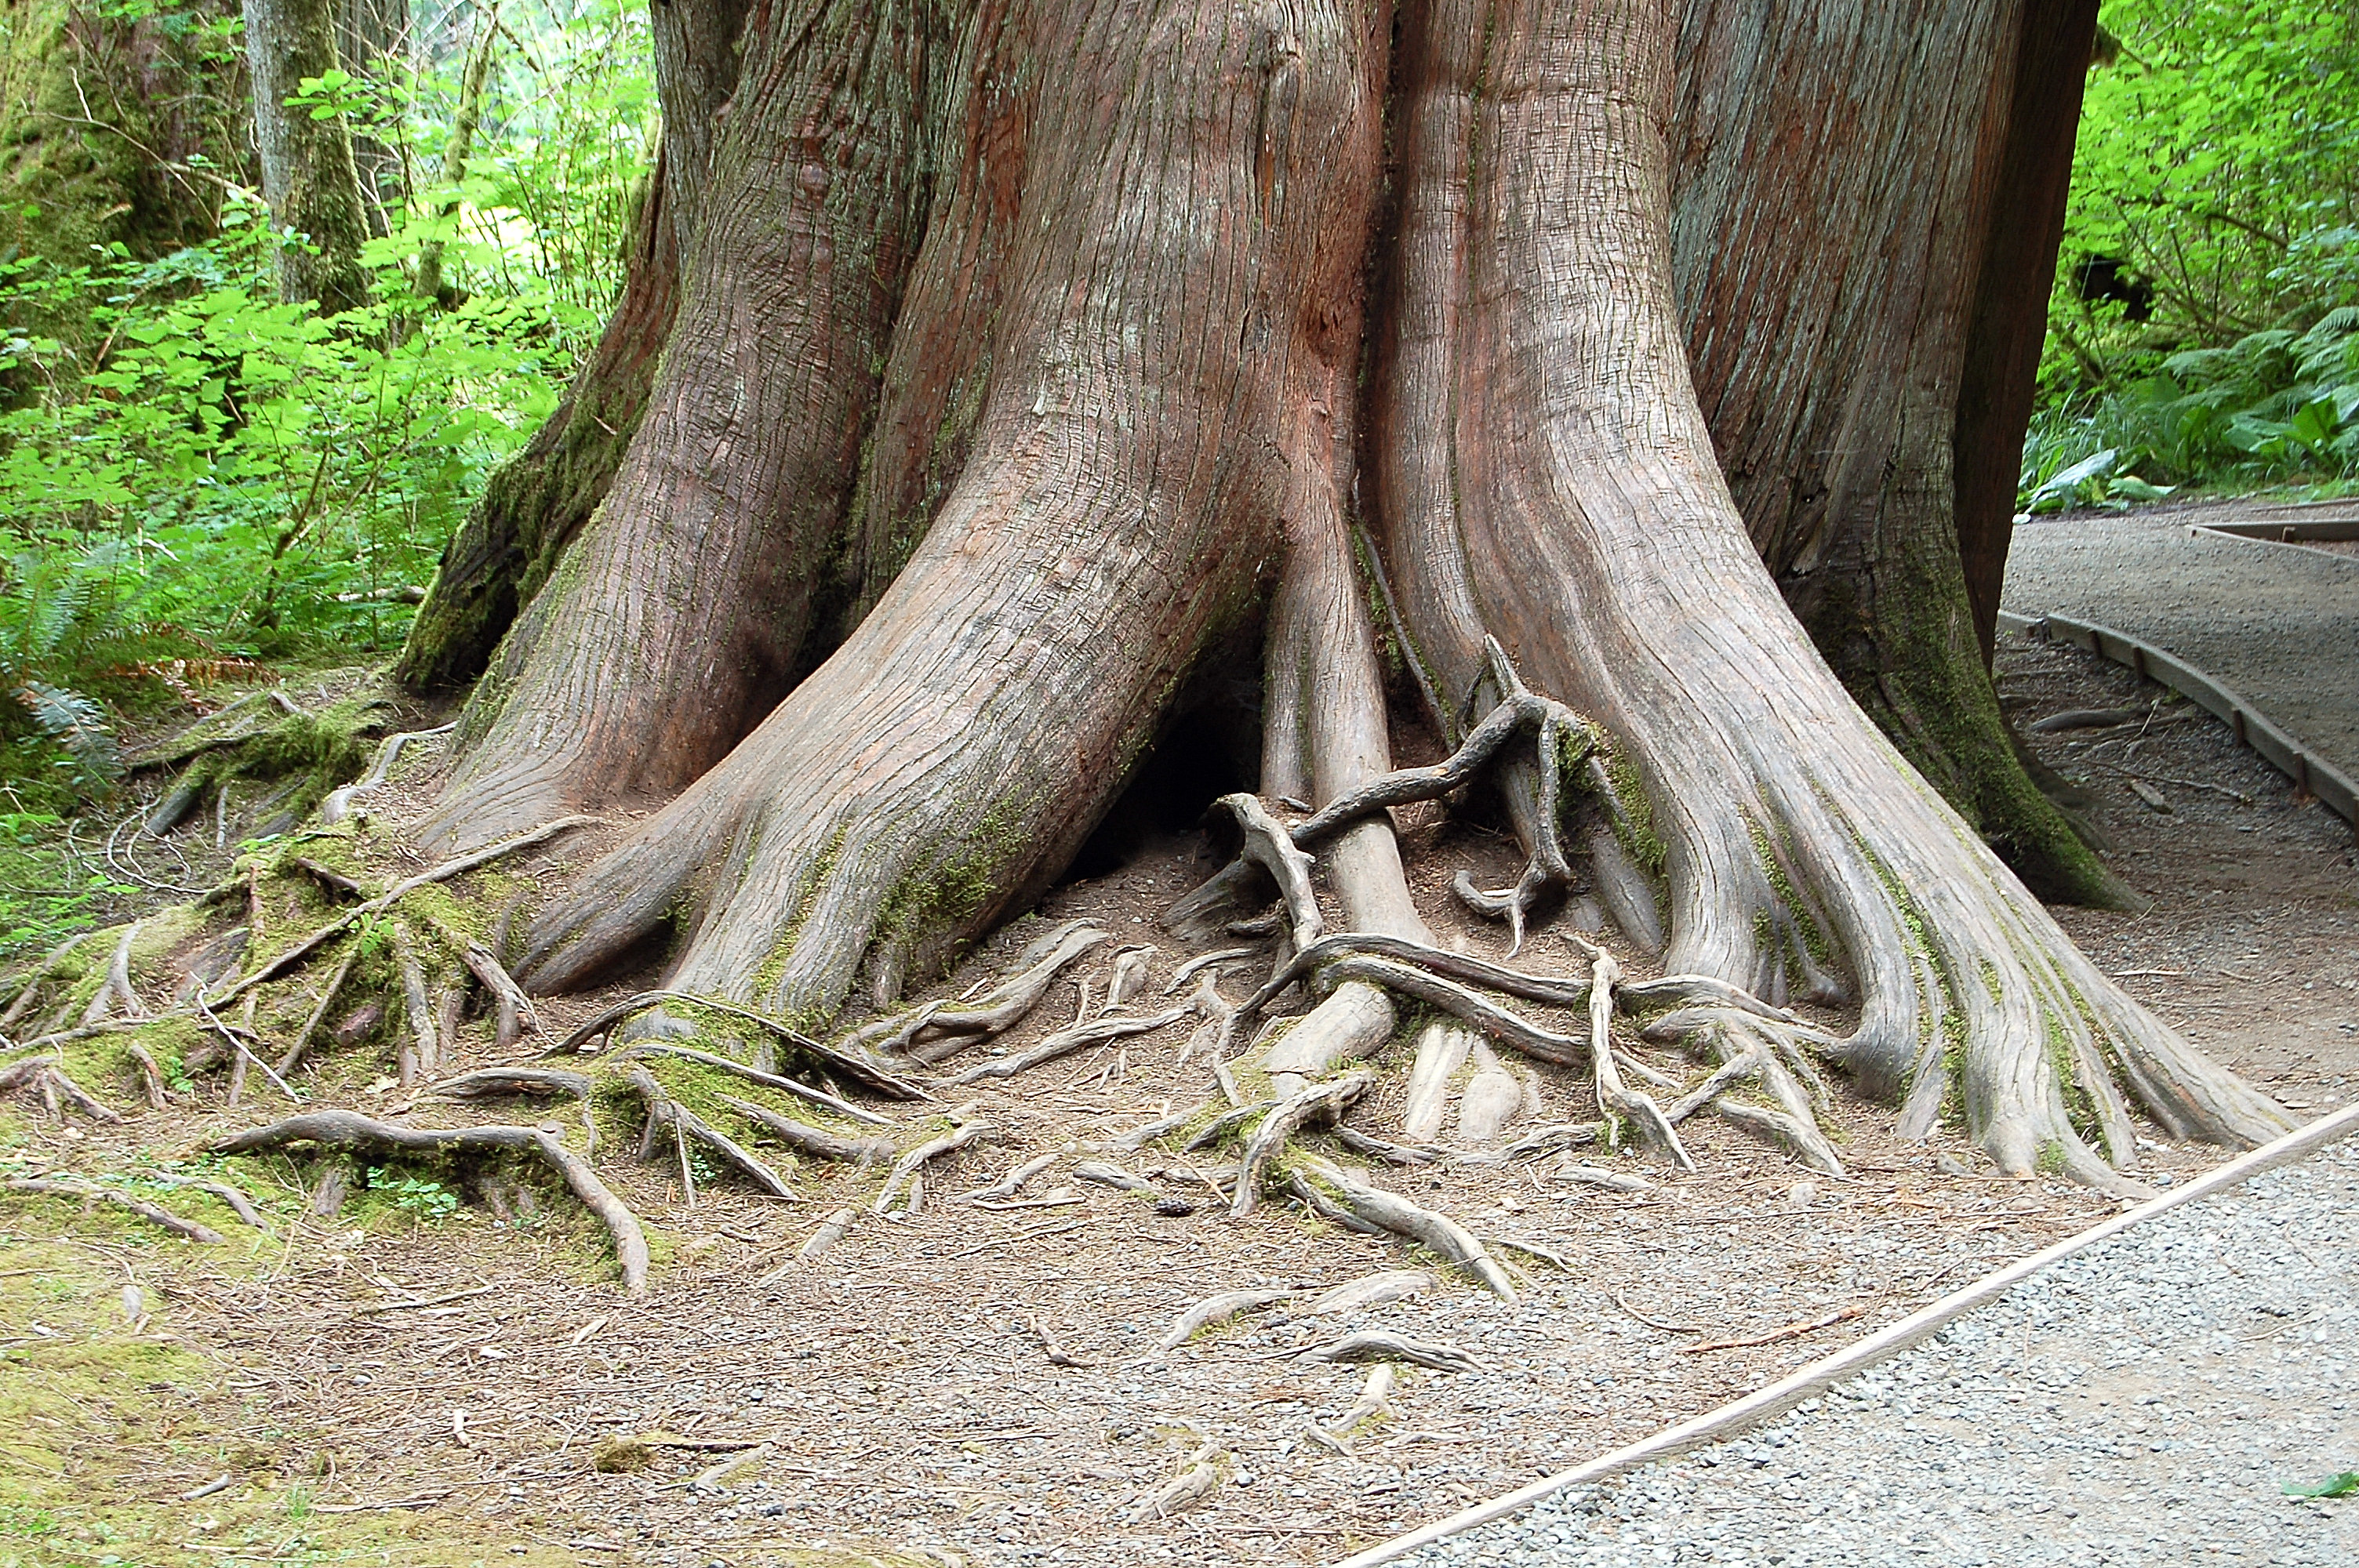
{"points": [[1837, 225], [308, 173], [460, 146]]}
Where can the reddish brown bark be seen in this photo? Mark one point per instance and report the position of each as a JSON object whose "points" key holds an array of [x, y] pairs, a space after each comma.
{"points": [[679, 616], [1544, 474], [1854, 246], [1121, 406], [2019, 269], [949, 759]]}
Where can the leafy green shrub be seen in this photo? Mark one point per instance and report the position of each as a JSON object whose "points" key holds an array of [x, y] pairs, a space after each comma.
{"points": [[2215, 215]]}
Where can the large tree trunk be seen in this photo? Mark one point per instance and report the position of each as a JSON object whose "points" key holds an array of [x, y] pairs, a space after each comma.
{"points": [[1022, 344], [307, 173], [538, 502], [1850, 223]]}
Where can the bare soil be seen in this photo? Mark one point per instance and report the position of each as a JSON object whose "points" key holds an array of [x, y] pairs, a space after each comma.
{"points": [[903, 1379]]}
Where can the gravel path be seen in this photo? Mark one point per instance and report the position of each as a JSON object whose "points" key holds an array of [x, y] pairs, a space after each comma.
{"points": [[2278, 624], [2140, 1403]]}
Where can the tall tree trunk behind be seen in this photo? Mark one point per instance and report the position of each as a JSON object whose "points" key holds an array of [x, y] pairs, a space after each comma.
{"points": [[1850, 234], [307, 173], [534, 505], [2019, 269]]}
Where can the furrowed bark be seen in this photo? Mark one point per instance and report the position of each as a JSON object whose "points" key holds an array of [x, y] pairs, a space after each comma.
{"points": [[678, 615], [535, 504], [1544, 472], [1854, 248], [307, 173], [947, 759]]}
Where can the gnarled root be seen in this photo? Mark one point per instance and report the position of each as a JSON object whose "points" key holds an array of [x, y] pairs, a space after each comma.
{"points": [[968, 1128], [936, 1032], [346, 1130], [58, 1187], [665, 1113]]}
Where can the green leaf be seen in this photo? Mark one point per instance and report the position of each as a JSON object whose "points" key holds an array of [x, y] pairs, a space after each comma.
{"points": [[2340, 1485]]}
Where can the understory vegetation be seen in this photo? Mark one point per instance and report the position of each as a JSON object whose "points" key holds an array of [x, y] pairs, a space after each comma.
{"points": [[204, 486], [2204, 327]]}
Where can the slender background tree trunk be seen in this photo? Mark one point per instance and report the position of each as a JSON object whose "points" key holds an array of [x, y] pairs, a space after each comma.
{"points": [[307, 173]]}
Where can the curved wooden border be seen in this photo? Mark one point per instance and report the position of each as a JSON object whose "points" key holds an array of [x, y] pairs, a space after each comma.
{"points": [[2281, 751], [1777, 1398]]}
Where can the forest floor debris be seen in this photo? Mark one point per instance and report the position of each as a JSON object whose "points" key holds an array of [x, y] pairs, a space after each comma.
{"points": [[350, 1370]]}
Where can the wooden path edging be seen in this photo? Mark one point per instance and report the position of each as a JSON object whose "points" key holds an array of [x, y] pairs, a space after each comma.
{"points": [[1777, 1398], [2281, 751]]}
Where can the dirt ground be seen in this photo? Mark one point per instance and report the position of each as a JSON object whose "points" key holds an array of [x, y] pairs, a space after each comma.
{"points": [[417, 1380]]}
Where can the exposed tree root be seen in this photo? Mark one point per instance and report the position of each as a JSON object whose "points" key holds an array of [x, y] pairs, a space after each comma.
{"points": [[1075, 1037], [1379, 1344], [937, 1031], [1323, 1102], [45, 1075], [60, 1187], [1391, 1212], [794, 1086], [968, 1128], [804, 1139], [343, 1130], [1196, 1480], [1214, 1310], [869, 1074], [687, 1127]]}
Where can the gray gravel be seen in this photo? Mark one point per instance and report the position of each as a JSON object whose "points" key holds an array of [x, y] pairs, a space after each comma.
{"points": [[2141, 1403], [2278, 624]]}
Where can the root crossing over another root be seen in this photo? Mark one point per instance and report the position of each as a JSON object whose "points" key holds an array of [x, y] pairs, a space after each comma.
{"points": [[344, 1130]]}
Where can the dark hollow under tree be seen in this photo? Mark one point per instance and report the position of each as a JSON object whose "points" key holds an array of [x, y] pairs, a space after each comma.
{"points": [[994, 370]]}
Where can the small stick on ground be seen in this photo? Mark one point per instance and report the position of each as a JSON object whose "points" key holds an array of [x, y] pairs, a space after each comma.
{"points": [[1057, 1354], [58, 1187], [348, 1131], [1791, 1331], [237, 1045]]}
